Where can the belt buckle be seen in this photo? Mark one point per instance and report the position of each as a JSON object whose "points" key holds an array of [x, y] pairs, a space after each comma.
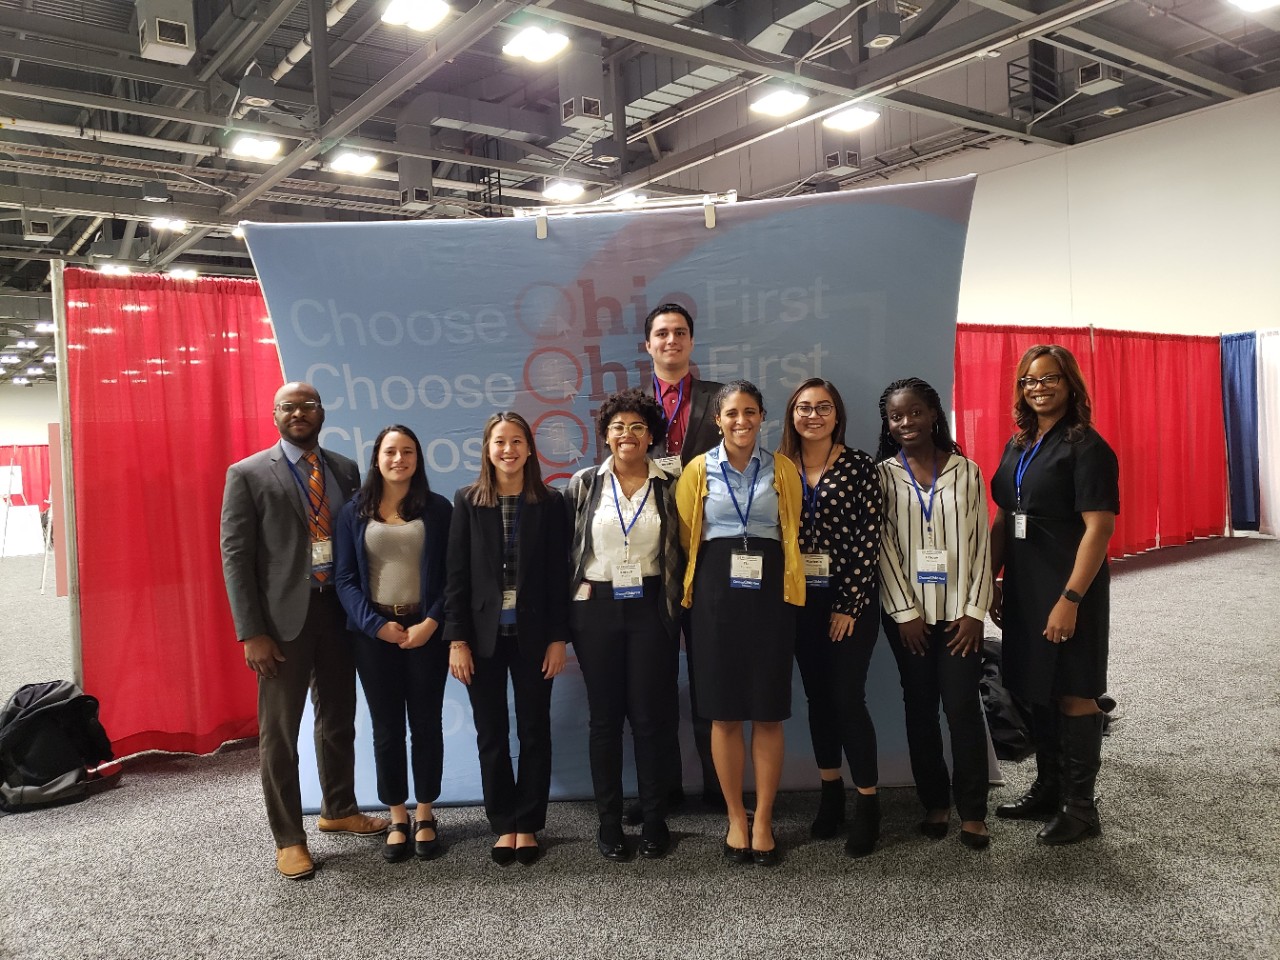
{"points": [[400, 609]]}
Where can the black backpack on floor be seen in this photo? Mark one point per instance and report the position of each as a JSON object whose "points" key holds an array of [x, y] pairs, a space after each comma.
{"points": [[51, 744]]}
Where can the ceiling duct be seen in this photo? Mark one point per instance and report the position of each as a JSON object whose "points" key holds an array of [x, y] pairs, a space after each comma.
{"points": [[166, 31], [581, 90], [476, 116]]}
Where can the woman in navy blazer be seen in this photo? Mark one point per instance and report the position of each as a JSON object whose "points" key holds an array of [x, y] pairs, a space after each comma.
{"points": [[389, 565], [507, 612]]}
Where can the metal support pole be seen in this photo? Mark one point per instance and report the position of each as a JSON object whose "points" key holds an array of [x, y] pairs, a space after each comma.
{"points": [[320, 58], [68, 474]]}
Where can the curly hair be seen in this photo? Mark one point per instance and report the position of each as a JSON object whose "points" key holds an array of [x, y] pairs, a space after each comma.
{"points": [[790, 446], [941, 431], [633, 401], [1079, 415]]}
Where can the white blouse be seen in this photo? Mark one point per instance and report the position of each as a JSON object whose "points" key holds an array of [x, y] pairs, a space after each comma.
{"points": [[607, 546], [960, 527]]}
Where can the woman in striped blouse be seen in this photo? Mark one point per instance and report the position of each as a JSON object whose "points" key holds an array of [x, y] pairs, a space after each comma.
{"points": [[936, 588]]}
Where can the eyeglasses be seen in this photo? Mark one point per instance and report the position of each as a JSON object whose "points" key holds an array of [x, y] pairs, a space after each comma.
{"points": [[306, 406], [824, 409], [622, 429], [1052, 380]]}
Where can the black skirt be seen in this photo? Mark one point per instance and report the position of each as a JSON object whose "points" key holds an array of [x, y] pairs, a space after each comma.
{"points": [[744, 640]]}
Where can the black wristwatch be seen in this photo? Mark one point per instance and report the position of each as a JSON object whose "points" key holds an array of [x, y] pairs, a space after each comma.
{"points": [[1072, 595]]}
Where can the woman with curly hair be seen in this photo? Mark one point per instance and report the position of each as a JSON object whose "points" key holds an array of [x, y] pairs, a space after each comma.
{"points": [[1058, 490]]}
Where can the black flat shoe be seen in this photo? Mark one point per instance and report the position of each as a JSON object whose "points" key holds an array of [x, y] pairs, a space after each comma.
{"points": [[426, 849], [655, 841], [503, 856], [765, 858], [975, 841], [932, 830], [397, 852], [611, 844], [529, 855], [737, 854]]}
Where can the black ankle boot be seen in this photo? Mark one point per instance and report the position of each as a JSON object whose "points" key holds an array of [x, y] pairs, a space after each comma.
{"points": [[864, 831], [1044, 797], [1081, 758], [830, 810]]}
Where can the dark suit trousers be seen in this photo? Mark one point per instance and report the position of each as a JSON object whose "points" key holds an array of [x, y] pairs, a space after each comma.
{"points": [[399, 683], [630, 666], [835, 684], [514, 803], [954, 680], [319, 659]]}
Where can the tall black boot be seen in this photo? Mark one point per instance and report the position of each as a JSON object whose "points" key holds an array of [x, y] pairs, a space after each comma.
{"points": [[830, 810], [864, 831], [1081, 758], [1043, 798]]}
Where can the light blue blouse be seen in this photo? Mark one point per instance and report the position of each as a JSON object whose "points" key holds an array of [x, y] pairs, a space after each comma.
{"points": [[719, 517]]}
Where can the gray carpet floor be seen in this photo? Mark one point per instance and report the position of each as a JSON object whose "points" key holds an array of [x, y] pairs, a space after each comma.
{"points": [[177, 862]]}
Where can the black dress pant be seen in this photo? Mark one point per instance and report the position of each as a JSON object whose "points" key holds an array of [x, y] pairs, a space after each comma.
{"points": [[954, 680], [399, 683], [630, 665], [514, 803], [835, 684]]}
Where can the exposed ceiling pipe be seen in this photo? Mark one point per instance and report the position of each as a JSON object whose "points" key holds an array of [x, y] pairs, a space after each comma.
{"points": [[72, 132]]}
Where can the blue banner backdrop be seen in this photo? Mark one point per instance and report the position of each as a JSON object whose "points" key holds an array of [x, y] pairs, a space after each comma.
{"points": [[437, 324]]}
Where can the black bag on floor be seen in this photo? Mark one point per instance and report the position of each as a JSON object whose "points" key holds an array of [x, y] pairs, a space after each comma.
{"points": [[51, 744], [1007, 720]]}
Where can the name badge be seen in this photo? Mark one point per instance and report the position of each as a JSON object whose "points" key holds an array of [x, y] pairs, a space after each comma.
{"points": [[508, 614], [583, 592], [931, 566], [322, 553], [746, 570], [627, 582], [1019, 526], [817, 569], [671, 466]]}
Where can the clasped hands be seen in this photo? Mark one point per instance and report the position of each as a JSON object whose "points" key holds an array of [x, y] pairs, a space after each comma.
{"points": [[407, 638]]}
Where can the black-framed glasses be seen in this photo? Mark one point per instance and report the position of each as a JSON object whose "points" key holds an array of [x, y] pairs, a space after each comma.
{"points": [[306, 406], [1049, 380], [823, 409], [622, 429]]}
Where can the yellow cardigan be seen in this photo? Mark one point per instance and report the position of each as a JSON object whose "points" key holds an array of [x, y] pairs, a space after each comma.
{"points": [[691, 491]]}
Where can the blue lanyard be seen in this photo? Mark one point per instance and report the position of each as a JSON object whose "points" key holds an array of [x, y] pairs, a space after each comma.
{"points": [[628, 527], [306, 489], [1024, 462], [657, 393], [751, 495], [927, 511]]}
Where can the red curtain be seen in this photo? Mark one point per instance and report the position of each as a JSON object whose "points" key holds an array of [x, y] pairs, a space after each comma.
{"points": [[171, 381], [34, 461], [1157, 399]]}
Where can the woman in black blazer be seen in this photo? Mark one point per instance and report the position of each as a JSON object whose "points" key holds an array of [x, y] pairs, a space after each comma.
{"points": [[507, 611]]}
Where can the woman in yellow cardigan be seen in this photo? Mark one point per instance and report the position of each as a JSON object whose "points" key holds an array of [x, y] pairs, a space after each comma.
{"points": [[739, 525]]}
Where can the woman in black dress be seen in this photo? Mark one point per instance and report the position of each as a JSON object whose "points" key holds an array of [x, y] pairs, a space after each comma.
{"points": [[837, 628], [1057, 488], [739, 522]]}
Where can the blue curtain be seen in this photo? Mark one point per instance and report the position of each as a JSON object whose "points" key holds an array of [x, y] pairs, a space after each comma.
{"points": [[1240, 409]]}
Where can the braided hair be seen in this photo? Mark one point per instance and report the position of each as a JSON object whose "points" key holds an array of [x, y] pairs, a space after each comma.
{"points": [[941, 431]]}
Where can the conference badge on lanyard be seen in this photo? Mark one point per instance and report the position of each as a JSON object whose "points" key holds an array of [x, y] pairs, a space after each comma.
{"points": [[746, 567], [931, 566], [817, 569], [1019, 516], [671, 466], [627, 582]]}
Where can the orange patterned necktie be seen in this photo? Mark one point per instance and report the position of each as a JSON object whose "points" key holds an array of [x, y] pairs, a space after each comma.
{"points": [[319, 513]]}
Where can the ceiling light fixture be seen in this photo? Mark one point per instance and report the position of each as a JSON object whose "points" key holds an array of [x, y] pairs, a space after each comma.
{"points": [[21, 381], [562, 191], [536, 45], [851, 119], [629, 199], [9, 358], [182, 273], [155, 192], [780, 102], [1255, 6], [36, 371], [167, 223], [255, 148], [114, 270], [238, 232], [420, 15], [25, 345], [44, 326], [349, 161]]}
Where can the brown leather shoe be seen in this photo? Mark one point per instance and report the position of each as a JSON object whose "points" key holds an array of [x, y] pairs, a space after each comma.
{"points": [[358, 824], [295, 863]]}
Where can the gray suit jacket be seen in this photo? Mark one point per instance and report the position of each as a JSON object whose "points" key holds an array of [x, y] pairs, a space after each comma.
{"points": [[266, 544]]}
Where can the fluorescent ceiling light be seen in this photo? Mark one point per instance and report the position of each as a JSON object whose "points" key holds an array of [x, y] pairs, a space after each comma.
{"points": [[780, 102], [851, 119], [50, 359], [166, 223], [114, 270], [1255, 6], [36, 371], [44, 326], [182, 273], [418, 15], [351, 162], [9, 358], [562, 191], [20, 381], [536, 45], [25, 345], [255, 148]]}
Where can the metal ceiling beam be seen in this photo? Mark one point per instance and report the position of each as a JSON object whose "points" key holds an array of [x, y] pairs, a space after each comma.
{"points": [[926, 20], [104, 205], [1136, 118], [78, 32], [59, 55], [969, 117], [1084, 50], [1108, 39]]}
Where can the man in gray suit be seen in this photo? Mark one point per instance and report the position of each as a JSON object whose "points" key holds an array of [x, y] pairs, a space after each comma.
{"points": [[277, 513]]}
